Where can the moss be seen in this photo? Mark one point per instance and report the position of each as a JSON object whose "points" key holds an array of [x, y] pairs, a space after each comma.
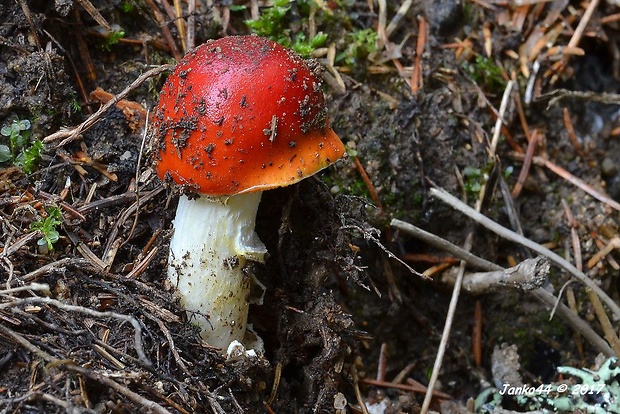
{"points": [[486, 73], [274, 24]]}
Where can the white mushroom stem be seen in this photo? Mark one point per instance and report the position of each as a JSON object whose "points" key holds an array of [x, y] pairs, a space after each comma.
{"points": [[213, 240]]}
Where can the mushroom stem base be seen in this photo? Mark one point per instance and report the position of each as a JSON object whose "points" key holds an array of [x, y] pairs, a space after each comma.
{"points": [[213, 240]]}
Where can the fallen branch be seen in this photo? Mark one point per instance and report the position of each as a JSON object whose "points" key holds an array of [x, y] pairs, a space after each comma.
{"points": [[528, 275], [541, 294], [508, 234]]}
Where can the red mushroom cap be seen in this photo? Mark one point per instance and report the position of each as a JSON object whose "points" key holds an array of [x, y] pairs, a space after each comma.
{"points": [[242, 114]]}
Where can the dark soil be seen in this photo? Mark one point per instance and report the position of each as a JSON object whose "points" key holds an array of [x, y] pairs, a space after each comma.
{"points": [[108, 336]]}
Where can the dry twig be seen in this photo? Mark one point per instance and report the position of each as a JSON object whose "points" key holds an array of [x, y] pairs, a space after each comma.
{"points": [[547, 298], [528, 275], [70, 366], [502, 231], [90, 312], [70, 134], [572, 179]]}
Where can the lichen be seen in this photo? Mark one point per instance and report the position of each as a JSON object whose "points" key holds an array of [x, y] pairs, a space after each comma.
{"points": [[592, 391]]}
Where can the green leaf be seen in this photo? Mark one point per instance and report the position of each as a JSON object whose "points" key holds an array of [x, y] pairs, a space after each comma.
{"points": [[29, 157], [318, 40], [23, 125], [235, 7], [5, 153], [472, 172], [47, 227]]}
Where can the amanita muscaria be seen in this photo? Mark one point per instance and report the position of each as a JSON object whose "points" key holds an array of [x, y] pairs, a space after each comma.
{"points": [[237, 116]]}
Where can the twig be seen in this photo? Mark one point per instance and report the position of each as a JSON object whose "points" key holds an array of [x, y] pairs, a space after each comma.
{"points": [[113, 242], [444, 244], [109, 201], [70, 134], [356, 387], [393, 289], [603, 319], [572, 179], [29, 19], [402, 11], [572, 318], [42, 287], [21, 242], [502, 231], [500, 118], [54, 266], [85, 251], [404, 387], [585, 19], [70, 366], [559, 66], [521, 112], [416, 76], [80, 309], [143, 264], [94, 13], [528, 275], [180, 23], [557, 95], [608, 328], [191, 24], [26, 344], [368, 183], [404, 373], [488, 39], [509, 207], [568, 124], [547, 298], [527, 162], [164, 29], [68, 208], [173, 348], [382, 365], [613, 244], [368, 235], [141, 402], [385, 42], [137, 176], [476, 334], [277, 375]]}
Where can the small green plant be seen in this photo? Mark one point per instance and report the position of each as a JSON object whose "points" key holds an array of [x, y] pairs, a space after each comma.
{"points": [[360, 43], [112, 38], [29, 158], [305, 47], [20, 150], [75, 106], [271, 21], [474, 178], [48, 227], [273, 25], [487, 73], [127, 6]]}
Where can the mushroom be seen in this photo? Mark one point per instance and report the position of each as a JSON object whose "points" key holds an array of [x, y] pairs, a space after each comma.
{"points": [[237, 116]]}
